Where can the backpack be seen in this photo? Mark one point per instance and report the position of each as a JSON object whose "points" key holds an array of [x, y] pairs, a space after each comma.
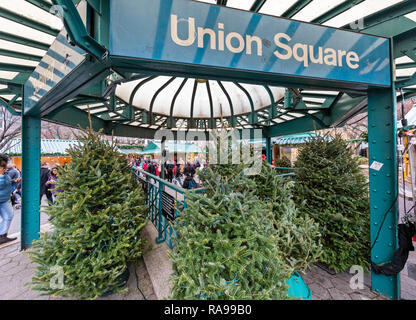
{"points": [[192, 184]]}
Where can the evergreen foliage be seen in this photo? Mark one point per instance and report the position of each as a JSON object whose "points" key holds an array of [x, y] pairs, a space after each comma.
{"points": [[283, 162], [331, 189], [96, 221], [242, 239]]}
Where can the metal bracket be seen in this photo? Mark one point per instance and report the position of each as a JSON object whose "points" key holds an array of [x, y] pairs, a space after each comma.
{"points": [[77, 31]]}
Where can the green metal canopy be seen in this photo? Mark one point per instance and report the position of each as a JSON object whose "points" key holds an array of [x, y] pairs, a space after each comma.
{"points": [[48, 146], [171, 147], [295, 139]]}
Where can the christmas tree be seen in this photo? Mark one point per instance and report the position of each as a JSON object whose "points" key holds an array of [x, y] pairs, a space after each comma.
{"points": [[97, 220], [331, 189], [242, 239], [283, 162], [298, 235], [227, 248]]}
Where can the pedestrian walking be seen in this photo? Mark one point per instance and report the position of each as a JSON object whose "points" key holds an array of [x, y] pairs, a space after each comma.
{"points": [[44, 177], [51, 183], [6, 209], [14, 175]]}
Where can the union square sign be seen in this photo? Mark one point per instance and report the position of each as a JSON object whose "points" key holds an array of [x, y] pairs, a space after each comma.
{"points": [[197, 34]]}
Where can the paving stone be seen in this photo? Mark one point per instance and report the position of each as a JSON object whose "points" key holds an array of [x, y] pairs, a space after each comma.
{"points": [[320, 291], [408, 295], [308, 277], [8, 266], [10, 248], [323, 281], [15, 270], [13, 254], [337, 294], [4, 261], [357, 296], [316, 297], [343, 286]]}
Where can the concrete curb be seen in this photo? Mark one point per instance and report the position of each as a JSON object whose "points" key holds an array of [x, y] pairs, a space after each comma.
{"points": [[158, 264]]}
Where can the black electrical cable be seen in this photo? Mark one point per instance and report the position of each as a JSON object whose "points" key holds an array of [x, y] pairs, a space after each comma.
{"points": [[384, 218], [385, 215], [137, 283], [410, 209]]}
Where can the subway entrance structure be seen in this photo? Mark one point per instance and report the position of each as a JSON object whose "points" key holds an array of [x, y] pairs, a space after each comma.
{"points": [[191, 66]]}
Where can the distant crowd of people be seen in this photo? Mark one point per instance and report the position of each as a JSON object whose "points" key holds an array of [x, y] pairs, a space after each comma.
{"points": [[179, 172]]}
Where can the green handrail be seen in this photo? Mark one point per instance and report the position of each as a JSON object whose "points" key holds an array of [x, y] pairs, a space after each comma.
{"points": [[154, 187], [154, 190]]}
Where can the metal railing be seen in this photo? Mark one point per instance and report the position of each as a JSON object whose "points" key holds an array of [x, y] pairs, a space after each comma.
{"points": [[284, 169], [165, 201]]}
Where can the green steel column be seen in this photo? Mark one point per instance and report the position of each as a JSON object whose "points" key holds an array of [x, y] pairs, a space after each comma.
{"points": [[383, 186], [269, 150], [160, 228], [30, 222]]}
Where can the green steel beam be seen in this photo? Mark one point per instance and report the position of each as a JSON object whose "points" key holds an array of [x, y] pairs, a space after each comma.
{"points": [[24, 41], [9, 107], [389, 13], [96, 5], [404, 44], [101, 21], [346, 107], [77, 32], [73, 117], [295, 8], [41, 4], [16, 68], [406, 65], [15, 88], [30, 213], [383, 186], [8, 81], [411, 81], [310, 102], [341, 108], [337, 10], [20, 55], [256, 6], [10, 15], [269, 150], [317, 95], [298, 125], [84, 76], [391, 28]]}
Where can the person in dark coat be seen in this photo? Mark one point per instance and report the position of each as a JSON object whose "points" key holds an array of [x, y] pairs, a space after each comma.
{"points": [[189, 170], [189, 182], [44, 177], [169, 171], [6, 209]]}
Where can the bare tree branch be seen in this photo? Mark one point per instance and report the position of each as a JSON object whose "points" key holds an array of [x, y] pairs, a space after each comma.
{"points": [[10, 128]]}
